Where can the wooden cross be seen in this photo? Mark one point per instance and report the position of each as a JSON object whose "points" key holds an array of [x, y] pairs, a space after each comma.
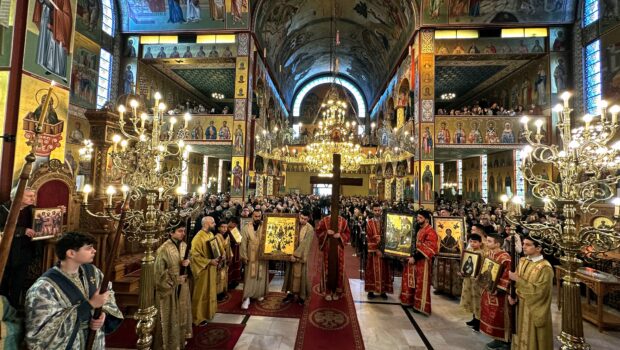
{"points": [[336, 181]]}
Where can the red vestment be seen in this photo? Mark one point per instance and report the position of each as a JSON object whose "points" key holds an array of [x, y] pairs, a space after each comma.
{"points": [[325, 242], [494, 315], [418, 275], [377, 276]]}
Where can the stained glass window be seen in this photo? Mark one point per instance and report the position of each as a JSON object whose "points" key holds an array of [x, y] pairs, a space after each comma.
{"points": [[592, 76], [483, 177], [105, 73], [590, 12], [520, 181], [107, 21], [459, 175], [441, 176]]}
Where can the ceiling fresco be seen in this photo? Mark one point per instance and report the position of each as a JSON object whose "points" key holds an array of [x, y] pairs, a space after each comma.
{"points": [[297, 36]]}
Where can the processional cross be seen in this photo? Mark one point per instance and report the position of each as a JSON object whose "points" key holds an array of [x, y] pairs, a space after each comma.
{"points": [[336, 181]]}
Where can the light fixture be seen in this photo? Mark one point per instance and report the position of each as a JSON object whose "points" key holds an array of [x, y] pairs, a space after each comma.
{"points": [[217, 95], [448, 96]]}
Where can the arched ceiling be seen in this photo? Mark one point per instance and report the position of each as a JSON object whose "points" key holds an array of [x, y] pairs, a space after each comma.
{"points": [[297, 35]]}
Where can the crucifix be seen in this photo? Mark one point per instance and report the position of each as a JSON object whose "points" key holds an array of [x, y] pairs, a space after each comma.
{"points": [[336, 181]]}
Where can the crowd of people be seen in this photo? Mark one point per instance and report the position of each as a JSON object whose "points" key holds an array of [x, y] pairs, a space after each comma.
{"points": [[483, 107], [223, 254]]}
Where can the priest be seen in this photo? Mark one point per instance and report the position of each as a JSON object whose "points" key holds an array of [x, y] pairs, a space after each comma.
{"points": [[256, 279], [494, 320], [234, 264], [416, 285], [377, 276], [172, 294], [223, 240], [296, 282], [331, 243], [534, 281], [204, 270]]}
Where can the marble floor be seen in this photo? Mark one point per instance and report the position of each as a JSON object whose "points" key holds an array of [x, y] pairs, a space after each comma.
{"points": [[387, 325]]}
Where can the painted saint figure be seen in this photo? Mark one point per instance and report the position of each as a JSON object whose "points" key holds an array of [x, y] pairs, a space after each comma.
{"points": [[176, 13], [238, 143], [474, 135], [128, 81], [459, 134], [427, 184], [237, 172], [211, 132], [193, 11], [237, 9], [427, 141], [217, 10], [507, 135], [443, 135], [55, 29], [224, 132], [560, 75]]}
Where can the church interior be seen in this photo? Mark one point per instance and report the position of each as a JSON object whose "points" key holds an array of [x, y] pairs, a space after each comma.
{"points": [[128, 119]]}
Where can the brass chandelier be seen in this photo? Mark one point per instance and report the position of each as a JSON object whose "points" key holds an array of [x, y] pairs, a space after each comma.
{"points": [[150, 189], [588, 171]]}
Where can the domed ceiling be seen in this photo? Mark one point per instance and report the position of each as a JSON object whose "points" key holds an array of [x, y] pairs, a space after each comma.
{"points": [[297, 35]]}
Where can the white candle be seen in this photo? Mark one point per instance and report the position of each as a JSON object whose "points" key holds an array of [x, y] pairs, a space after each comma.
{"points": [[539, 124], [161, 192], [121, 111], [86, 191], [110, 191], [524, 120], [616, 203], [566, 97]]}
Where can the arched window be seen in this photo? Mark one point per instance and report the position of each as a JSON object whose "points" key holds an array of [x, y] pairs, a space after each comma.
{"points": [[107, 21], [105, 73], [590, 12]]}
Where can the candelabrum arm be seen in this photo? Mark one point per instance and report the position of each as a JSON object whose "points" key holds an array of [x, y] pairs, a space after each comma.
{"points": [[107, 214], [597, 241]]}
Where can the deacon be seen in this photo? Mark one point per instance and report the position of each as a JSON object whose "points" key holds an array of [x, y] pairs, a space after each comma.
{"points": [[256, 277], [534, 281], [204, 270], [377, 276], [494, 320], [172, 293], [332, 245], [417, 272], [234, 264], [223, 240], [470, 294], [60, 304], [296, 282]]}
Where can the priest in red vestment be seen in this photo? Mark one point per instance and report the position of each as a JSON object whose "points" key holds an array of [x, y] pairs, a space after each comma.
{"points": [[332, 245], [494, 313], [377, 276], [416, 285]]}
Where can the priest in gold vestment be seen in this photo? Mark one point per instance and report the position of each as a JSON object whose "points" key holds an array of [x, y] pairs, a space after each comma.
{"points": [[223, 239], [256, 278], [172, 293], [204, 270], [296, 281], [534, 279], [470, 293]]}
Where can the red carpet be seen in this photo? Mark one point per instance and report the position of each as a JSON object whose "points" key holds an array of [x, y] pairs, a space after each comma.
{"points": [[220, 336], [272, 306], [329, 324]]}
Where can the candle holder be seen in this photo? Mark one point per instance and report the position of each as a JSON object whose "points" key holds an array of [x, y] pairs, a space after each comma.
{"points": [[587, 171], [154, 191]]}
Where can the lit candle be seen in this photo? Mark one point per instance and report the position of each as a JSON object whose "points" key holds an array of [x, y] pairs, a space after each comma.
{"points": [[614, 113], [539, 124], [134, 107], [116, 139], [123, 145], [121, 112], [187, 117], [587, 119], [46, 104], [566, 97], [265, 52], [161, 192], [86, 191], [110, 192], [524, 120], [143, 117], [157, 98], [616, 203], [201, 192], [517, 201], [179, 194], [603, 106], [504, 199]]}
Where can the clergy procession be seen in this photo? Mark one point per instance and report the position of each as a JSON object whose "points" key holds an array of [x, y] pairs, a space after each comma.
{"points": [[192, 275], [309, 175]]}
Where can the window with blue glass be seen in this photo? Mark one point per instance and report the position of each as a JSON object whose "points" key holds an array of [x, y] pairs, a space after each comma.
{"points": [[107, 21], [590, 12], [483, 176], [592, 76]]}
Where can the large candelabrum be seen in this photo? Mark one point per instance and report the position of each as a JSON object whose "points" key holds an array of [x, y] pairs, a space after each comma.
{"points": [[153, 190], [587, 170]]}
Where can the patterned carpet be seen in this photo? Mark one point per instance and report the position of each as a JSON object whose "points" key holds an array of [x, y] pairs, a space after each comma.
{"points": [[272, 306], [329, 324]]}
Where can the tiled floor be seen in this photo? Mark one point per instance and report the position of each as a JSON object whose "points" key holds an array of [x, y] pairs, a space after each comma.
{"points": [[386, 325]]}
